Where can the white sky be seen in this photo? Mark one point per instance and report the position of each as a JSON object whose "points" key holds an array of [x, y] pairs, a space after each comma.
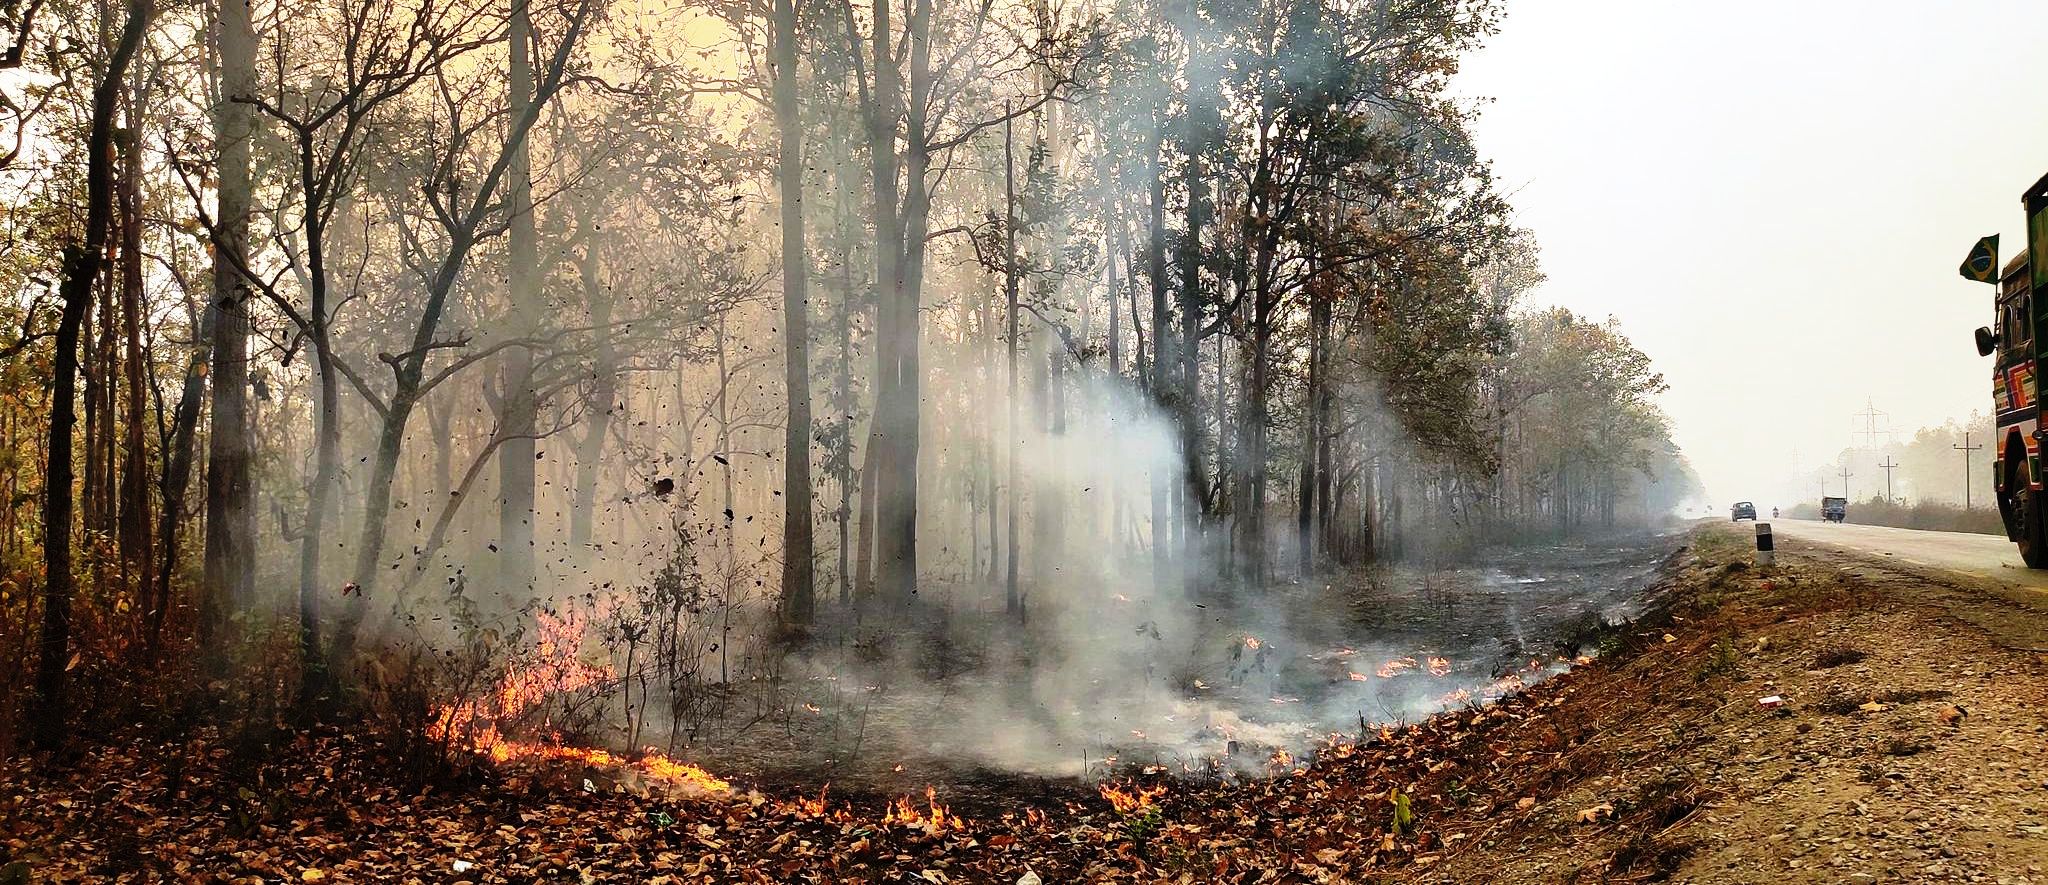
{"points": [[1773, 197]]}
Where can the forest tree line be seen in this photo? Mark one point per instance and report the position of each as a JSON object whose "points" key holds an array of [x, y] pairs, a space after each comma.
{"points": [[329, 315]]}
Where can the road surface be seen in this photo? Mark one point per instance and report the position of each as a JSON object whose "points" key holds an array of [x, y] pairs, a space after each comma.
{"points": [[1982, 556]]}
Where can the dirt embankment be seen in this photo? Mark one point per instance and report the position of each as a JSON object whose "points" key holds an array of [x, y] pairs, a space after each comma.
{"points": [[1910, 744]]}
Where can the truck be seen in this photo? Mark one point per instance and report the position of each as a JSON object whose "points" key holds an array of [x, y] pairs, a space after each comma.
{"points": [[1834, 509], [2012, 341]]}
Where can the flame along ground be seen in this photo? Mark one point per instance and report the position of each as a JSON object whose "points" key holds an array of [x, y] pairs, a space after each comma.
{"points": [[1129, 798], [556, 667]]}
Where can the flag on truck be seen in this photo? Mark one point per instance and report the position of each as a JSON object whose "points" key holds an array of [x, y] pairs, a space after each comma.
{"points": [[1982, 265]]}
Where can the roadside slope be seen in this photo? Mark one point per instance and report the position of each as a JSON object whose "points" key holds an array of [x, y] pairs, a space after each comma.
{"points": [[1912, 744]]}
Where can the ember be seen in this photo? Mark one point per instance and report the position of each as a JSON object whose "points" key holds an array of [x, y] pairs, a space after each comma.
{"points": [[1396, 667], [1439, 666], [1357, 676]]}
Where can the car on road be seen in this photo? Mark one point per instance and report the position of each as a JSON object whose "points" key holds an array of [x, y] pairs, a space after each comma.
{"points": [[1741, 511], [1834, 509]]}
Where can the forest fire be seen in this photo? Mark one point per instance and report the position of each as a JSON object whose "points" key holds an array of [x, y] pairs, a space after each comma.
{"points": [[1396, 667], [1439, 666], [555, 668], [1127, 799], [933, 819]]}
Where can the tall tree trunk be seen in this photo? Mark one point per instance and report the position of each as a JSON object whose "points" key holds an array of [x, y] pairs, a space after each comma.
{"points": [[1311, 432], [1160, 381], [1013, 599], [177, 479], [517, 400], [93, 369], [1187, 398], [604, 392], [799, 598], [843, 398], [870, 466], [228, 571], [885, 480], [82, 264], [315, 681], [136, 562]]}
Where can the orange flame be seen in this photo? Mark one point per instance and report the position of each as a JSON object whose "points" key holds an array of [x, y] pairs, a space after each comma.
{"points": [[935, 821], [1127, 800], [1439, 666], [1357, 676], [1280, 761], [474, 724], [556, 668], [1396, 667], [805, 806], [683, 774]]}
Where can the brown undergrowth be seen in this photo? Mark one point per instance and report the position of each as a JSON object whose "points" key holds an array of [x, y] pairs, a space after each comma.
{"points": [[1630, 768]]}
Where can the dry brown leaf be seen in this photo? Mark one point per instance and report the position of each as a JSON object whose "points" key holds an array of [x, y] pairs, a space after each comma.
{"points": [[1596, 813]]}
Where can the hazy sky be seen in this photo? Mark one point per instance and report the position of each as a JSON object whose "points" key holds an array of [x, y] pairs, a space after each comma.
{"points": [[1773, 197]]}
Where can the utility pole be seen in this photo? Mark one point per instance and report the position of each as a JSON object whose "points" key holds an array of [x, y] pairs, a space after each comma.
{"points": [[1966, 449], [1889, 463], [1845, 480]]}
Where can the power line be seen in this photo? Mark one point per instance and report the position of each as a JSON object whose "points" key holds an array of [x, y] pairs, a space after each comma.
{"points": [[1889, 463], [1869, 416]]}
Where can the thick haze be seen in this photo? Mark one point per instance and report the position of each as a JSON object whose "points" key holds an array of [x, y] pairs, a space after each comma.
{"points": [[1774, 197]]}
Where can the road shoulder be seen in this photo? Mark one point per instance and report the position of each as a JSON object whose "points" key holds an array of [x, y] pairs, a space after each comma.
{"points": [[1909, 741]]}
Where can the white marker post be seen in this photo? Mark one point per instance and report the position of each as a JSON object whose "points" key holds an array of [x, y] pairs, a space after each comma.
{"points": [[1765, 553]]}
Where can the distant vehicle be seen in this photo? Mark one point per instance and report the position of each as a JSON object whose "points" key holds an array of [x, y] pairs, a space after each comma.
{"points": [[1834, 509], [1741, 511], [2016, 451]]}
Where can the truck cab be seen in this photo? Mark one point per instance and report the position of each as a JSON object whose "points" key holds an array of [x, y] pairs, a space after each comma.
{"points": [[2016, 458]]}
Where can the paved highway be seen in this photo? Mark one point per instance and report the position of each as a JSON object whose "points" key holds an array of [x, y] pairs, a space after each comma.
{"points": [[1983, 556]]}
